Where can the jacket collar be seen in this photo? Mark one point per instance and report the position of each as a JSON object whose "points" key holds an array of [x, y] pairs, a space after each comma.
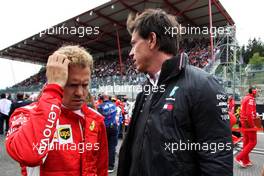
{"points": [[251, 95], [172, 67], [69, 112]]}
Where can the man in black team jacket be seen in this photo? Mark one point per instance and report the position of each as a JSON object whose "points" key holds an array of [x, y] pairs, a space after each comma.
{"points": [[180, 125]]}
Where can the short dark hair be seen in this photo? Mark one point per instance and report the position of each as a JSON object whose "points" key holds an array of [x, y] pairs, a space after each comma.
{"points": [[250, 90], [20, 96], [3, 95], [157, 21]]}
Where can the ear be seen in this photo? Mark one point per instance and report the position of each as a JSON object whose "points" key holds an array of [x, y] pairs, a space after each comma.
{"points": [[152, 40]]}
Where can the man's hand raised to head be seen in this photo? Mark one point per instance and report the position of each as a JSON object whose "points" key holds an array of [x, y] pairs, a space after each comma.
{"points": [[57, 69]]}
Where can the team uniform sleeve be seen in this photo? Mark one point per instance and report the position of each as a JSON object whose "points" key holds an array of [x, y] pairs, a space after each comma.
{"points": [[212, 130], [32, 127]]}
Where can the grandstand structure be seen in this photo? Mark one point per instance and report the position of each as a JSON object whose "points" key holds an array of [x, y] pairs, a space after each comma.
{"points": [[107, 39], [228, 66]]}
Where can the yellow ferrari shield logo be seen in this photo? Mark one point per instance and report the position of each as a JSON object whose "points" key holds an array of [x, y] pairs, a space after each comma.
{"points": [[92, 126]]}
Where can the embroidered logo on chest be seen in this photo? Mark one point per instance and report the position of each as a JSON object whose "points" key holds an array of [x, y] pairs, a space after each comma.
{"points": [[173, 91], [92, 126], [168, 106], [65, 134]]}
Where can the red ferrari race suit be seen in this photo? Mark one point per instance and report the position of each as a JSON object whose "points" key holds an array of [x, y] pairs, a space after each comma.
{"points": [[233, 120], [247, 116], [50, 140]]}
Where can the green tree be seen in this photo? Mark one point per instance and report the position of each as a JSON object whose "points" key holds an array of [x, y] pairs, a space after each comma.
{"points": [[256, 59], [254, 46]]}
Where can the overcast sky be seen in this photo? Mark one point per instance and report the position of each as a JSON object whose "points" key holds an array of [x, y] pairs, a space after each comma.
{"points": [[23, 18]]}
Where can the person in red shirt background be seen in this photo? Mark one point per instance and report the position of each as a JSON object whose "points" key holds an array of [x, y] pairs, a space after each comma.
{"points": [[231, 111], [231, 104], [248, 129], [233, 119], [99, 101]]}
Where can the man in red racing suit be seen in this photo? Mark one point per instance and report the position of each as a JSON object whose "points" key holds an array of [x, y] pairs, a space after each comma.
{"points": [[248, 129], [59, 135]]}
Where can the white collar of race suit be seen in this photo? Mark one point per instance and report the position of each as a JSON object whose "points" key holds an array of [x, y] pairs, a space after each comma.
{"points": [[78, 112]]}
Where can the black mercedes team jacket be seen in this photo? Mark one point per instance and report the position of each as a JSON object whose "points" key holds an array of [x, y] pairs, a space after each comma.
{"points": [[186, 131]]}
